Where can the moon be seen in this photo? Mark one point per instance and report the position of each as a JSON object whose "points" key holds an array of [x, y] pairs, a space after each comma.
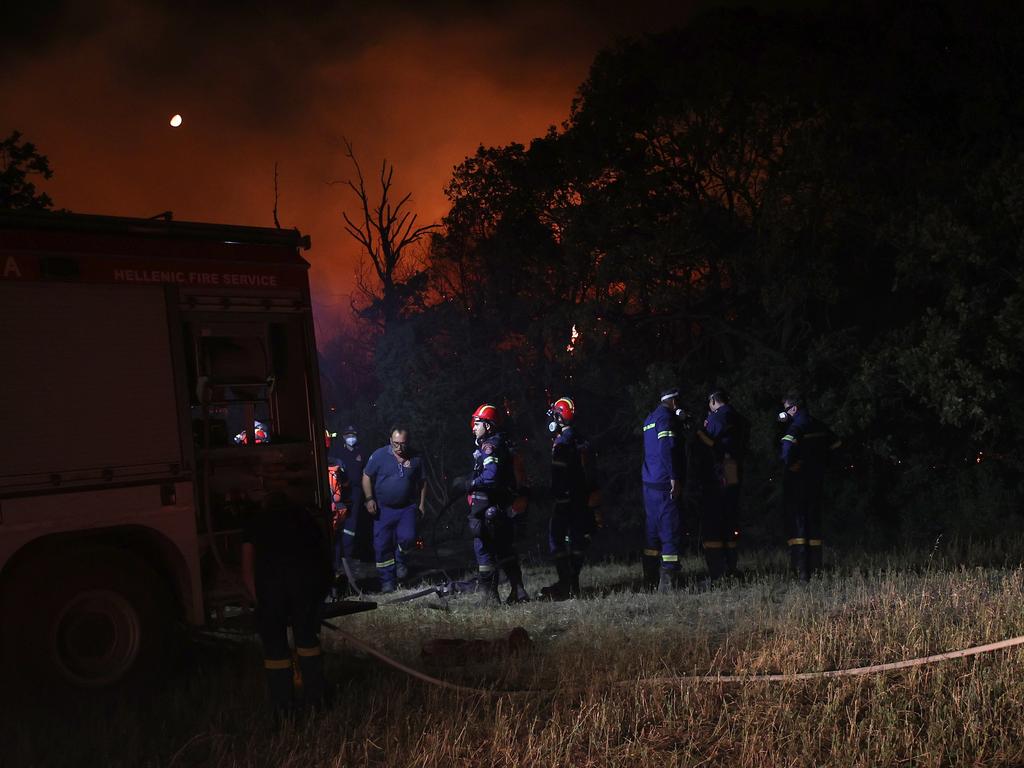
{"points": [[175, 121]]}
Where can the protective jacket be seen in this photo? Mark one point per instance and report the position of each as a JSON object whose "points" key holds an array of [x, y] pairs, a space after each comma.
{"points": [[661, 459]]}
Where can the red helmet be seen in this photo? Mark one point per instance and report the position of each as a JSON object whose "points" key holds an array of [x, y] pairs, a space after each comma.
{"points": [[485, 412], [565, 408]]}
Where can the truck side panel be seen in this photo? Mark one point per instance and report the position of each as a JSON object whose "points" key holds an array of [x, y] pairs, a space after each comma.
{"points": [[89, 385]]}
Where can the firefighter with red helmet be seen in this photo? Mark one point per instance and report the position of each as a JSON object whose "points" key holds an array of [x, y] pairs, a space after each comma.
{"points": [[492, 490], [572, 518]]}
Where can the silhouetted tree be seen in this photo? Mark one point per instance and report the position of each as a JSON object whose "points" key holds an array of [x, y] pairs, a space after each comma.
{"points": [[20, 161]]}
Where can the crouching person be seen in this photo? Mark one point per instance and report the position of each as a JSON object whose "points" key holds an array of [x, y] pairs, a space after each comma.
{"points": [[286, 568]]}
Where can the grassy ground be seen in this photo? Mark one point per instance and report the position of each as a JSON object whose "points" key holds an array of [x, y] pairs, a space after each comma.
{"points": [[591, 659]]}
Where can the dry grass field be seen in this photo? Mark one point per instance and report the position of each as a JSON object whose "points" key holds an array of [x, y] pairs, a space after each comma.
{"points": [[591, 668]]}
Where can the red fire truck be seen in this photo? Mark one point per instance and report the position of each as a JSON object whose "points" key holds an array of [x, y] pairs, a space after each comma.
{"points": [[137, 359]]}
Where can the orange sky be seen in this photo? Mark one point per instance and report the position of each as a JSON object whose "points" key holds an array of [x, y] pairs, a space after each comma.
{"points": [[422, 84]]}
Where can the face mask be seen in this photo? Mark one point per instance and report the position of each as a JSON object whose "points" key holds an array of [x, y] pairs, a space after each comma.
{"points": [[350, 441]]}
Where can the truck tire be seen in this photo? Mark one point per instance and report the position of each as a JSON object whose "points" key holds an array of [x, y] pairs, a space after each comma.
{"points": [[93, 619]]}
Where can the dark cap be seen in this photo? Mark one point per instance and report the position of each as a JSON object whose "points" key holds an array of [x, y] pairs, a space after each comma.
{"points": [[348, 429]]}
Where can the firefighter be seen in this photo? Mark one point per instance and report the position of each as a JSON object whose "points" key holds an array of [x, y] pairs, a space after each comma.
{"points": [[351, 458], [724, 438], [286, 570], [491, 492], [395, 491], [572, 519], [262, 435], [806, 448], [662, 476]]}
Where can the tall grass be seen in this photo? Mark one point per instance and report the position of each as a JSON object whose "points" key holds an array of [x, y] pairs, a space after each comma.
{"points": [[593, 658]]}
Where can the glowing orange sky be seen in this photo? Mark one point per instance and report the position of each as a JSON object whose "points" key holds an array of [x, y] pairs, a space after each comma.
{"points": [[422, 84]]}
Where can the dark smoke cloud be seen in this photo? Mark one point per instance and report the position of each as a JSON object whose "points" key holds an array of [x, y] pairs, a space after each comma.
{"points": [[419, 83]]}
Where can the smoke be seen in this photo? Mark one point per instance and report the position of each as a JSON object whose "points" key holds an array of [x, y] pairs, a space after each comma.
{"points": [[420, 84]]}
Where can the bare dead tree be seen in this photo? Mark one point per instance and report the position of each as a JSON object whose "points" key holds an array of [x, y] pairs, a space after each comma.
{"points": [[386, 230]]}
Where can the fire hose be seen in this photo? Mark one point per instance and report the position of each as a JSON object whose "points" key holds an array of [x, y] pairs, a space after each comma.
{"points": [[870, 669]]}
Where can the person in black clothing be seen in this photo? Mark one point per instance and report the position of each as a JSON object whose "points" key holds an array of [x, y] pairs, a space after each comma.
{"points": [[286, 568], [805, 451]]}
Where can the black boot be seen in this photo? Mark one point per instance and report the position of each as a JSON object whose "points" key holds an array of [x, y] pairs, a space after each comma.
{"points": [[798, 561], [517, 593], [280, 684], [488, 590], [715, 559], [730, 559], [652, 565], [560, 589], [311, 665], [575, 566], [814, 558]]}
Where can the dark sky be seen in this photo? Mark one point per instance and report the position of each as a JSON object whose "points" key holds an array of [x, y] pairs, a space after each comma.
{"points": [[420, 83]]}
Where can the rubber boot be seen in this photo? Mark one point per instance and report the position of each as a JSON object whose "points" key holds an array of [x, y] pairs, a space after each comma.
{"points": [[652, 565], [798, 561], [665, 584], [814, 558], [560, 589], [488, 590], [715, 559], [731, 553], [280, 687], [313, 683], [517, 593], [575, 566]]}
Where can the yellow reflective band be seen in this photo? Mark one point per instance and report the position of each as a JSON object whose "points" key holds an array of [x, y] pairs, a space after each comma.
{"points": [[814, 542], [486, 568], [789, 439], [731, 544], [795, 542], [347, 532], [490, 460], [314, 651], [705, 438], [670, 558], [835, 445], [652, 552], [649, 426], [277, 663], [558, 464], [713, 545], [666, 433], [386, 563]]}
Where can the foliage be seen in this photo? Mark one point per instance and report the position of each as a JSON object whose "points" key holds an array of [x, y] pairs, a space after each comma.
{"points": [[828, 201], [20, 162]]}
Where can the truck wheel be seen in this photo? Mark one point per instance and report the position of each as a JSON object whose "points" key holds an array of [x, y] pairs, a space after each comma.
{"points": [[94, 619]]}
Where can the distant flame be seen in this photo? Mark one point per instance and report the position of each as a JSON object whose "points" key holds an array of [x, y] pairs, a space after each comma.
{"points": [[572, 340]]}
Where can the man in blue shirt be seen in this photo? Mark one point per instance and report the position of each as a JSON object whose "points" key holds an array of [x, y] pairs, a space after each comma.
{"points": [[805, 452], [662, 477], [395, 491]]}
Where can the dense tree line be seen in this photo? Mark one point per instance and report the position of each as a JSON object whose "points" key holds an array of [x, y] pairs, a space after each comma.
{"points": [[830, 202]]}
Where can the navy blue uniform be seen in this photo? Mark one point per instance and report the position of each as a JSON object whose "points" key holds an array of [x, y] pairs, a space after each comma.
{"points": [[661, 466], [723, 437], [353, 462], [806, 447], [491, 491], [397, 483], [572, 520]]}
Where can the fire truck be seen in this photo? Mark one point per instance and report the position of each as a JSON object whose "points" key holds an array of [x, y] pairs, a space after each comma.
{"points": [[157, 379]]}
